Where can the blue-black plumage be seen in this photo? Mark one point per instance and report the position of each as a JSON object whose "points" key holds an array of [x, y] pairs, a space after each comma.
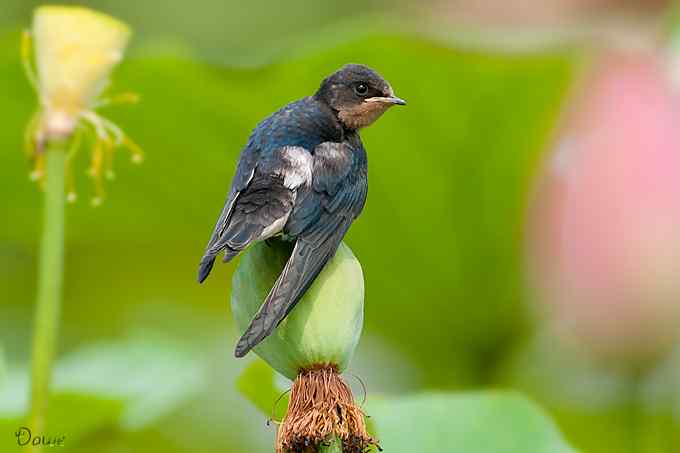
{"points": [[302, 175]]}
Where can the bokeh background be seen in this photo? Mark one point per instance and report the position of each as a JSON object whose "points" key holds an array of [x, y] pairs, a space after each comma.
{"points": [[522, 229]]}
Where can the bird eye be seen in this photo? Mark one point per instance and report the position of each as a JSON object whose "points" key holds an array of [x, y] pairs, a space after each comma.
{"points": [[361, 89]]}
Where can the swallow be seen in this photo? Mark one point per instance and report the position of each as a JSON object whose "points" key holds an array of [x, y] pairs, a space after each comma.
{"points": [[302, 176]]}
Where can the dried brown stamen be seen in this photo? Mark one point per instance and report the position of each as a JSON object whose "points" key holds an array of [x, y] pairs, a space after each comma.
{"points": [[322, 405]]}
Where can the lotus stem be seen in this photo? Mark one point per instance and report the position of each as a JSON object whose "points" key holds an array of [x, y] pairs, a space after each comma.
{"points": [[50, 282]]}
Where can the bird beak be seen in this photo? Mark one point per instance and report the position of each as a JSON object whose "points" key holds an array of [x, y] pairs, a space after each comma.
{"points": [[387, 99], [396, 101]]}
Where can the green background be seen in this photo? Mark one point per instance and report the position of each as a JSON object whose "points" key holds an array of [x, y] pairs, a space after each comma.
{"points": [[440, 239]]}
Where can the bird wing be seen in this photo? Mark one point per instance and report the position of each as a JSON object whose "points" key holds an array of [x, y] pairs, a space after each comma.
{"points": [[259, 203], [320, 221]]}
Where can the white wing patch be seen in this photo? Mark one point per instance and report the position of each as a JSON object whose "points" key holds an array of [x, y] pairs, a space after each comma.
{"points": [[275, 228], [298, 170], [333, 151]]}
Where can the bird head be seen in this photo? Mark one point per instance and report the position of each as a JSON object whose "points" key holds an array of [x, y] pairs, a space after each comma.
{"points": [[358, 95]]}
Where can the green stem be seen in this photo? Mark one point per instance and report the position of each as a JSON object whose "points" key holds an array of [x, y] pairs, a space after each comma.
{"points": [[333, 446], [50, 279]]}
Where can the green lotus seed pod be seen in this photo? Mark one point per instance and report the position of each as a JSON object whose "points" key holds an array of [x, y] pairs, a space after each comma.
{"points": [[323, 328]]}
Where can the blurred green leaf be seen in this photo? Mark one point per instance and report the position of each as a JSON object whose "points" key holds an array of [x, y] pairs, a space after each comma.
{"points": [[466, 423], [603, 406], [151, 375], [73, 415], [129, 384], [257, 383]]}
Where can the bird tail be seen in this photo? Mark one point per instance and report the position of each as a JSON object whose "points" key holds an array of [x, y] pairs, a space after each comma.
{"points": [[303, 266], [208, 261], [205, 267]]}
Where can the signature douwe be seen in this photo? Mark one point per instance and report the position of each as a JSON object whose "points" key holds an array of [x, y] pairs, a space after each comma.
{"points": [[25, 437]]}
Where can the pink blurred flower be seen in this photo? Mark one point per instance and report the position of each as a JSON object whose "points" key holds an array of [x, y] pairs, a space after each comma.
{"points": [[605, 225]]}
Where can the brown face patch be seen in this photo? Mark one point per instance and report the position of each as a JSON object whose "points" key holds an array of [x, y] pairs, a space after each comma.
{"points": [[362, 115]]}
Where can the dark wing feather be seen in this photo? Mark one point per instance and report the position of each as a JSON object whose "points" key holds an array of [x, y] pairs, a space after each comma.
{"points": [[327, 211], [244, 173], [254, 207], [265, 201]]}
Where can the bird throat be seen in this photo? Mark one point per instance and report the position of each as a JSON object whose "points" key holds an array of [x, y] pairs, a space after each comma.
{"points": [[362, 115]]}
